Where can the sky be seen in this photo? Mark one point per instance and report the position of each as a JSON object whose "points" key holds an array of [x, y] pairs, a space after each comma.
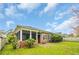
{"points": [[52, 17]]}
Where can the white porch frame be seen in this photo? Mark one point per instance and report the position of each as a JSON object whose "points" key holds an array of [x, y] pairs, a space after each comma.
{"points": [[36, 35], [30, 34], [20, 35]]}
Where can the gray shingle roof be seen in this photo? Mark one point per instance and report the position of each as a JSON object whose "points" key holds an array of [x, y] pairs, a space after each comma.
{"points": [[30, 28]]}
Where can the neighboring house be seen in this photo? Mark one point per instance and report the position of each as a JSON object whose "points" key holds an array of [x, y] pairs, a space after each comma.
{"points": [[25, 32], [3, 40]]}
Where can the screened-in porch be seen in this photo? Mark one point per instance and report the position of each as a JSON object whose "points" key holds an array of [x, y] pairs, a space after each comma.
{"points": [[24, 35]]}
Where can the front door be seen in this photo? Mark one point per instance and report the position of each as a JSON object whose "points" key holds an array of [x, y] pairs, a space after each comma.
{"points": [[38, 38]]}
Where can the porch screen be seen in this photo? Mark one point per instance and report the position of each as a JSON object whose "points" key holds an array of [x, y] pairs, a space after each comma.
{"points": [[25, 35]]}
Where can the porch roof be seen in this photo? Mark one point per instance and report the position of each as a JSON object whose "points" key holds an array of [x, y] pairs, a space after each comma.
{"points": [[28, 28]]}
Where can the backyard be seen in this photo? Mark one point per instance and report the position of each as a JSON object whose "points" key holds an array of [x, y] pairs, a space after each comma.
{"points": [[62, 48]]}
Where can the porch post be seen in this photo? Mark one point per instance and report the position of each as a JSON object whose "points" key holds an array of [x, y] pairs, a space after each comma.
{"points": [[20, 35], [30, 34], [41, 38], [36, 35]]}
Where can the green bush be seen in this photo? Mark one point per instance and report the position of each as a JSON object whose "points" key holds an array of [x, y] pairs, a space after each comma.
{"points": [[12, 40], [56, 38], [30, 43], [14, 45]]}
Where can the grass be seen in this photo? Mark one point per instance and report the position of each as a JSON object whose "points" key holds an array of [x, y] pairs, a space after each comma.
{"points": [[62, 48]]}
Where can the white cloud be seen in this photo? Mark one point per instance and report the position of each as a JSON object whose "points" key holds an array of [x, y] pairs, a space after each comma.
{"points": [[48, 8], [51, 26], [71, 23], [28, 6], [66, 27], [9, 23], [60, 15], [10, 11], [13, 12]]}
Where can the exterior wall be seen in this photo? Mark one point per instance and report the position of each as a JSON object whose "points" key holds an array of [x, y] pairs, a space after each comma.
{"points": [[44, 38]]}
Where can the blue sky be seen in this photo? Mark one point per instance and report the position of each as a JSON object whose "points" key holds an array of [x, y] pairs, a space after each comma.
{"points": [[51, 17]]}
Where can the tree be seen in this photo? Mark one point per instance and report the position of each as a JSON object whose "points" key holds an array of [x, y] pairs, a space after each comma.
{"points": [[12, 40], [56, 38]]}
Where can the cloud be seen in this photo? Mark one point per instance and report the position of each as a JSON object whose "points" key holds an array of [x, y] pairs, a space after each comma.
{"points": [[28, 6], [71, 23], [10, 11], [13, 12], [10, 23], [1, 16], [57, 17], [51, 26], [60, 14], [48, 8], [66, 27]]}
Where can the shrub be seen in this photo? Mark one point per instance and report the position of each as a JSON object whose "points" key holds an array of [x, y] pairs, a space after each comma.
{"points": [[56, 38], [12, 39], [14, 42], [14, 45], [30, 43]]}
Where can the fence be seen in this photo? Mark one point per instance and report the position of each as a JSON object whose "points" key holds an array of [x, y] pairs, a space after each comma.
{"points": [[71, 39]]}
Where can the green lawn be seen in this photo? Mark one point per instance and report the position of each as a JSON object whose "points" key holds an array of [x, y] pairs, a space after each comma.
{"points": [[65, 48]]}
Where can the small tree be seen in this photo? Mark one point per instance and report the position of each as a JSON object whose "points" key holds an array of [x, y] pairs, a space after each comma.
{"points": [[13, 40], [56, 38], [11, 37], [30, 43]]}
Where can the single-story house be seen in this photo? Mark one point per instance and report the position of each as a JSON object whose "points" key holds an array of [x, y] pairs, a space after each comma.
{"points": [[25, 32]]}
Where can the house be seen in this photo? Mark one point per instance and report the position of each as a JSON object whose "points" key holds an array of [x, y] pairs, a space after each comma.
{"points": [[25, 32]]}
